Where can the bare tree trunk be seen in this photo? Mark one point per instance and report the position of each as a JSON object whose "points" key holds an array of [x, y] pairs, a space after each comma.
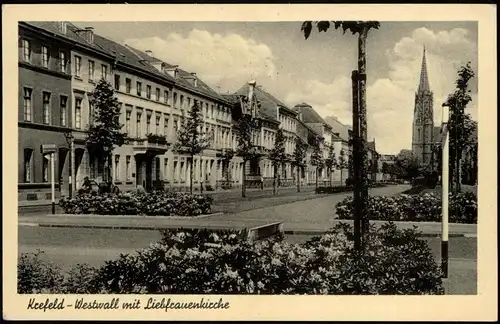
{"points": [[355, 161], [191, 175], [243, 180], [341, 183], [298, 179], [363, 133], [275, 168]]}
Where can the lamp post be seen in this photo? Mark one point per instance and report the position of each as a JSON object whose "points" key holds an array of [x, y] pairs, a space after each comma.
{"points": [[444, 184], [72, 181]]}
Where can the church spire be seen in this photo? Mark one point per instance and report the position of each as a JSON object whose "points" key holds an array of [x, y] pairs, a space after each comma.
{"points": [[424, 80]]}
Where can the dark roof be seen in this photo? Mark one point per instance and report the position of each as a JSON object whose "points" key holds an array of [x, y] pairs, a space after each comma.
{"points": [[338, 127], [268, 106], [371, 146], [309, 115]]}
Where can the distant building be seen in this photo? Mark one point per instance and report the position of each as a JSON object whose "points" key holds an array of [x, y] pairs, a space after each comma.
{"points": [[423, 118]]}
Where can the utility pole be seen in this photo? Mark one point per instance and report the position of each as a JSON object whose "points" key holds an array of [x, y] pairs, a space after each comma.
{"points": [[356, 158], [444, 192]]}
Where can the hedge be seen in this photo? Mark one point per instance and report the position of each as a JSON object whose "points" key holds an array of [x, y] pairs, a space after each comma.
{"points": [[157, 203], [199, 262], [426, 207], [331, 190]]}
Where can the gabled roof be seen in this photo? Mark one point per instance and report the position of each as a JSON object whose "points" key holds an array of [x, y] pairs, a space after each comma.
{"points": [[268, 103], [338, 127]]}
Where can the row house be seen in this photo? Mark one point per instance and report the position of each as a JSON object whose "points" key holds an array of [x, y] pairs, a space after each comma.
{"points": [[314, 121], [44, 112], [342, 142]]}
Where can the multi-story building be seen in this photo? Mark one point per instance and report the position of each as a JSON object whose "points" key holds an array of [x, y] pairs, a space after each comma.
{"points": [[44, 112]]}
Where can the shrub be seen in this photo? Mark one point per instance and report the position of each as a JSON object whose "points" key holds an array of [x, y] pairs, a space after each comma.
{"points": [[157, 203], [37, 276], [426, 207], [203, 262]]}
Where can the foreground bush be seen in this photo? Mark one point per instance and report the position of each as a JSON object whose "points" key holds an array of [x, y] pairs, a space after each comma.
{"points": [[201, 262], [426, 208], [157, 203]]}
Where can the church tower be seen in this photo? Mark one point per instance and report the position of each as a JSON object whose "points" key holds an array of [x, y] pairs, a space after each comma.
{"points": [[423, 118]]}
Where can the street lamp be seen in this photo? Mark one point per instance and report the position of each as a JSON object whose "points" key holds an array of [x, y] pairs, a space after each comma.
{"points": [[444, 185], [71, 179]]}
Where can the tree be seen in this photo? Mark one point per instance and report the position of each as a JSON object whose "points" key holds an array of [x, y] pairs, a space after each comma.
{"points": [[246, 149], [191, 139], [298, 159], [317, 157], [385, 169], [331, 162], [277, 155], [407, 165], [342, 164], [104, 132], [361, 28]]}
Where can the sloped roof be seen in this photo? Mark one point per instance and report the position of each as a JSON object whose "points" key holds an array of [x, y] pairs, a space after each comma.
{"points": [[309, 115], [338, 127], [268, 104], [371, 146]]}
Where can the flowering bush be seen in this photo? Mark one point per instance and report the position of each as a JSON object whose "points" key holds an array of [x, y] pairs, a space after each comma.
{"points": [[426, 207], [157, 203], [202, 262]]}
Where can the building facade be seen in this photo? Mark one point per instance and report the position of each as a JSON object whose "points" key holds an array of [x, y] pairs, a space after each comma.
{"points": [[44, 112]]}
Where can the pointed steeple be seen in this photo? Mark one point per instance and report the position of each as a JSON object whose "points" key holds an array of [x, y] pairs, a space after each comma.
{"points": [[424, 80]]}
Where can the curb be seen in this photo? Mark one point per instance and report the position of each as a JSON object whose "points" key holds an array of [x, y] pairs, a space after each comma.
{"points": [[292, 232]]}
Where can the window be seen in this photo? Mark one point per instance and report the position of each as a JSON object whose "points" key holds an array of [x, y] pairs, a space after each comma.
{"points": [[175, 170], [45, 56], [27, 104], [157, 94], [188, 103], [138, 125], [165, 96], [128, 85], [117, 167], [64, 102], [78, 65], [139, 88], [91, 113], [127, 122], [212, 111], [206, 110], [175, 100], [117, 82], [157, 168], [148, 124], [127, 167], [26, 50], [46, 107], [91, 70], [28, 157], [165, 126], [148, 91], [176, 124], [45, 167], [62, 61], [104, 72], [78, 113], [182, 102], [157, 125]]}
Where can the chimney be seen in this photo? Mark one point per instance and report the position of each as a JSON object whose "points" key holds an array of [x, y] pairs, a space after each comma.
{"points": [[62, 27], [87, 34], [300, 115], [172, 71], [195, 79], [150, 53], [251, 89]]}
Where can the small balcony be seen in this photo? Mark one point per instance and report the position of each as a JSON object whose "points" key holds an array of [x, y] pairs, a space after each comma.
{"points": [[153, 144]]}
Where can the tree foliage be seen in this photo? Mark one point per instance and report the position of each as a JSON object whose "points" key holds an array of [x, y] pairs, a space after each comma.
{"points": [[460, 126], [277, 154], [104, 132], [317, 154], [191, 139], [407, 165], [299, 153], [245, 130], [331, 160], [355, 27]]}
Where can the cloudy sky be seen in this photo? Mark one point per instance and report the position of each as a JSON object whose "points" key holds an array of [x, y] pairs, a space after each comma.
{"points": [[317, 70]]}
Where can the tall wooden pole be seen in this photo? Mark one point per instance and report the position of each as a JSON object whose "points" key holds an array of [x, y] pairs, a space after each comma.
{"points": [[363, 179], [355, 160]]}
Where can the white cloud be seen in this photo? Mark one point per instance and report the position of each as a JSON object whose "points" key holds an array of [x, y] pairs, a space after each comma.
{"points": [[390, 100], [227, 61]]}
